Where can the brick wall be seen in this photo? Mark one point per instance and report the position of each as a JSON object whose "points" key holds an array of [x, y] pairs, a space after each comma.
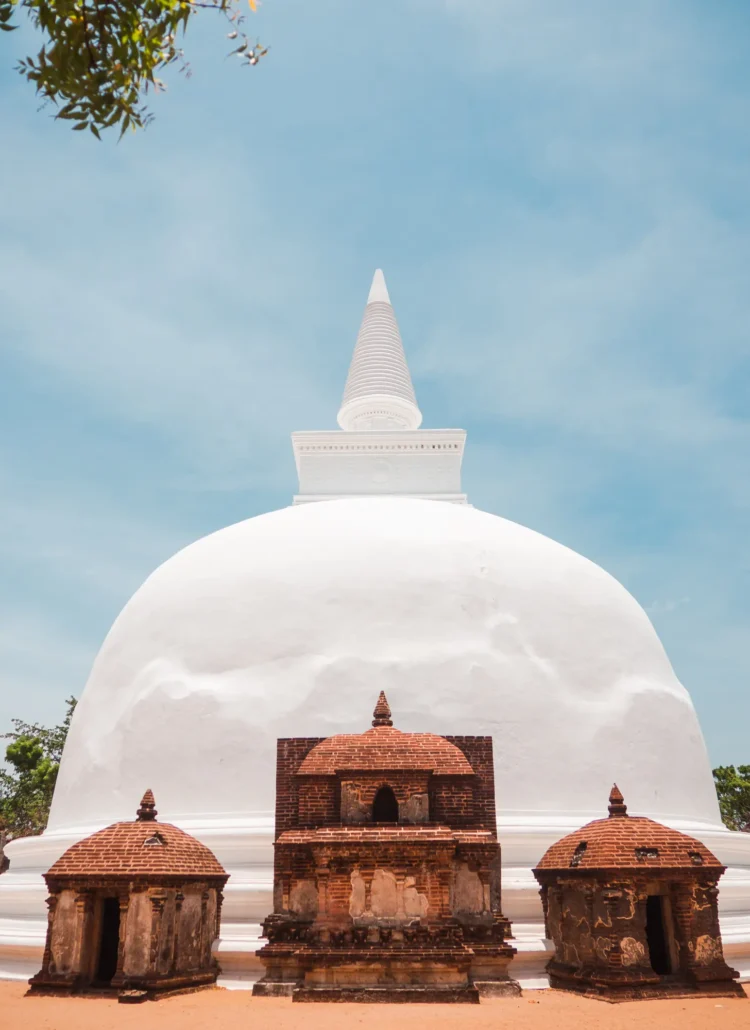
{"points": [[318, 801], [478, 751], [452, 801], [290, 752], [404, 784]]}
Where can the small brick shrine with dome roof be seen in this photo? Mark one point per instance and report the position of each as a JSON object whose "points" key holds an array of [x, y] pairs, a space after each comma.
{"points": [[133, 908], [387, 869], [631, 908]]}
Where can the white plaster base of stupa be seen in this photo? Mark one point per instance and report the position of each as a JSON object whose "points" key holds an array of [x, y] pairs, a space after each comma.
{"points": [[245, 849]]}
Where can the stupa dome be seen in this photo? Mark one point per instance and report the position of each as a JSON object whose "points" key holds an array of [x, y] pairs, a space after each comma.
{"points": [[289, 624]]}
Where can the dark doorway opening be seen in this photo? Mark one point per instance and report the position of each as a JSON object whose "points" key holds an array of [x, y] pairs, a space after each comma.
{"points": [[109, 942], [385, 806], [657, 935]]}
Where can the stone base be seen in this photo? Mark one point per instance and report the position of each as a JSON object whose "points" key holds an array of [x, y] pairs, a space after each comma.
{"points": [[389, 994], [644, 992], [127, 994], [132, 997], [278, 989], [498, 989]]}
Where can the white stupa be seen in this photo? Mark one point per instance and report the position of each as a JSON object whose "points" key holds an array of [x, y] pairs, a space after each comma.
{"points": [[289, 624]]}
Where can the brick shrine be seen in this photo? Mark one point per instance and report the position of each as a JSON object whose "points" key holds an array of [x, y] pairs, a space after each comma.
{"points": [[631, 907], [387, 883], [132, 909]]}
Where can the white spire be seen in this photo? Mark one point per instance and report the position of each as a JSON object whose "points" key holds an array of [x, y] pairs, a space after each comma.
{"points": [[381, 451], [378, 290], [379, 392]]}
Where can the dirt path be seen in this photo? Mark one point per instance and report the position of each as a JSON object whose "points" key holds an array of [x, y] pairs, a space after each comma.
{"points": [[238, 1010]]}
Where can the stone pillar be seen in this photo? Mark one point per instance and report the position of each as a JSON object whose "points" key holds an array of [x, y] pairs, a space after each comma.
{"points": [[124, 903], [158, 900], [178, 900], [51, 903], [484, 876], [85, 909], [682, 913], [400, 880], [711, 890], [322, 876], [285, 891], [612, 896], [445, 879], [219, 904], [205, 929]]}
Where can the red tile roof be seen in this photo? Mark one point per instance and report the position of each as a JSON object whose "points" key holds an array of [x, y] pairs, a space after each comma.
{"points": [[144, 848], [385, 748], [628, 842]]}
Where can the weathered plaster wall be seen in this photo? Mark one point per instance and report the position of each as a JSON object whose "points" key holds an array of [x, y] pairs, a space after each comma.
{"points": [[65, 932], [138, 930]]}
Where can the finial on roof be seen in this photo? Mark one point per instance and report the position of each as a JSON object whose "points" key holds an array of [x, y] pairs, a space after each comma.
{"points": [[617, 806], [379, 393], [382, 713], [147, 812]]}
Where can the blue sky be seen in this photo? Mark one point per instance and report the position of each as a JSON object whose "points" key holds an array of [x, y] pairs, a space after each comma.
{"points": [[558, 193]]}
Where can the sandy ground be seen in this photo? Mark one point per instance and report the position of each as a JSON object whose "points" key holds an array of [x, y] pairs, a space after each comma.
{"points": [[238, 1010]]}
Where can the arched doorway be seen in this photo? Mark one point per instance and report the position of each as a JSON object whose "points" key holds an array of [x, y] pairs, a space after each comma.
{"points": [[385, 806], [658, 934], [109, 941]]}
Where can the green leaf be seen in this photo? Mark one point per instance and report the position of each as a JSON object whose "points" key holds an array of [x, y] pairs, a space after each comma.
{"points": [[98, 61]]}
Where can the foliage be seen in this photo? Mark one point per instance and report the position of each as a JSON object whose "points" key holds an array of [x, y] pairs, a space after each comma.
{"points": [[733, 790], [26, 790], [100, 58]]}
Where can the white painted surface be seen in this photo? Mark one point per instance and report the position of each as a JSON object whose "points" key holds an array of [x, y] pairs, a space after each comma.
{"points": [[290, 623], [378, 290], [379, 392], [424, 463]]}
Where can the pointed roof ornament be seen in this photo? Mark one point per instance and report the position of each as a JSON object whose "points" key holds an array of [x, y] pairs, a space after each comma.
{"points": [[147, 812], [617, 806], [378, 290], [382, 713], [379, 392]]}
